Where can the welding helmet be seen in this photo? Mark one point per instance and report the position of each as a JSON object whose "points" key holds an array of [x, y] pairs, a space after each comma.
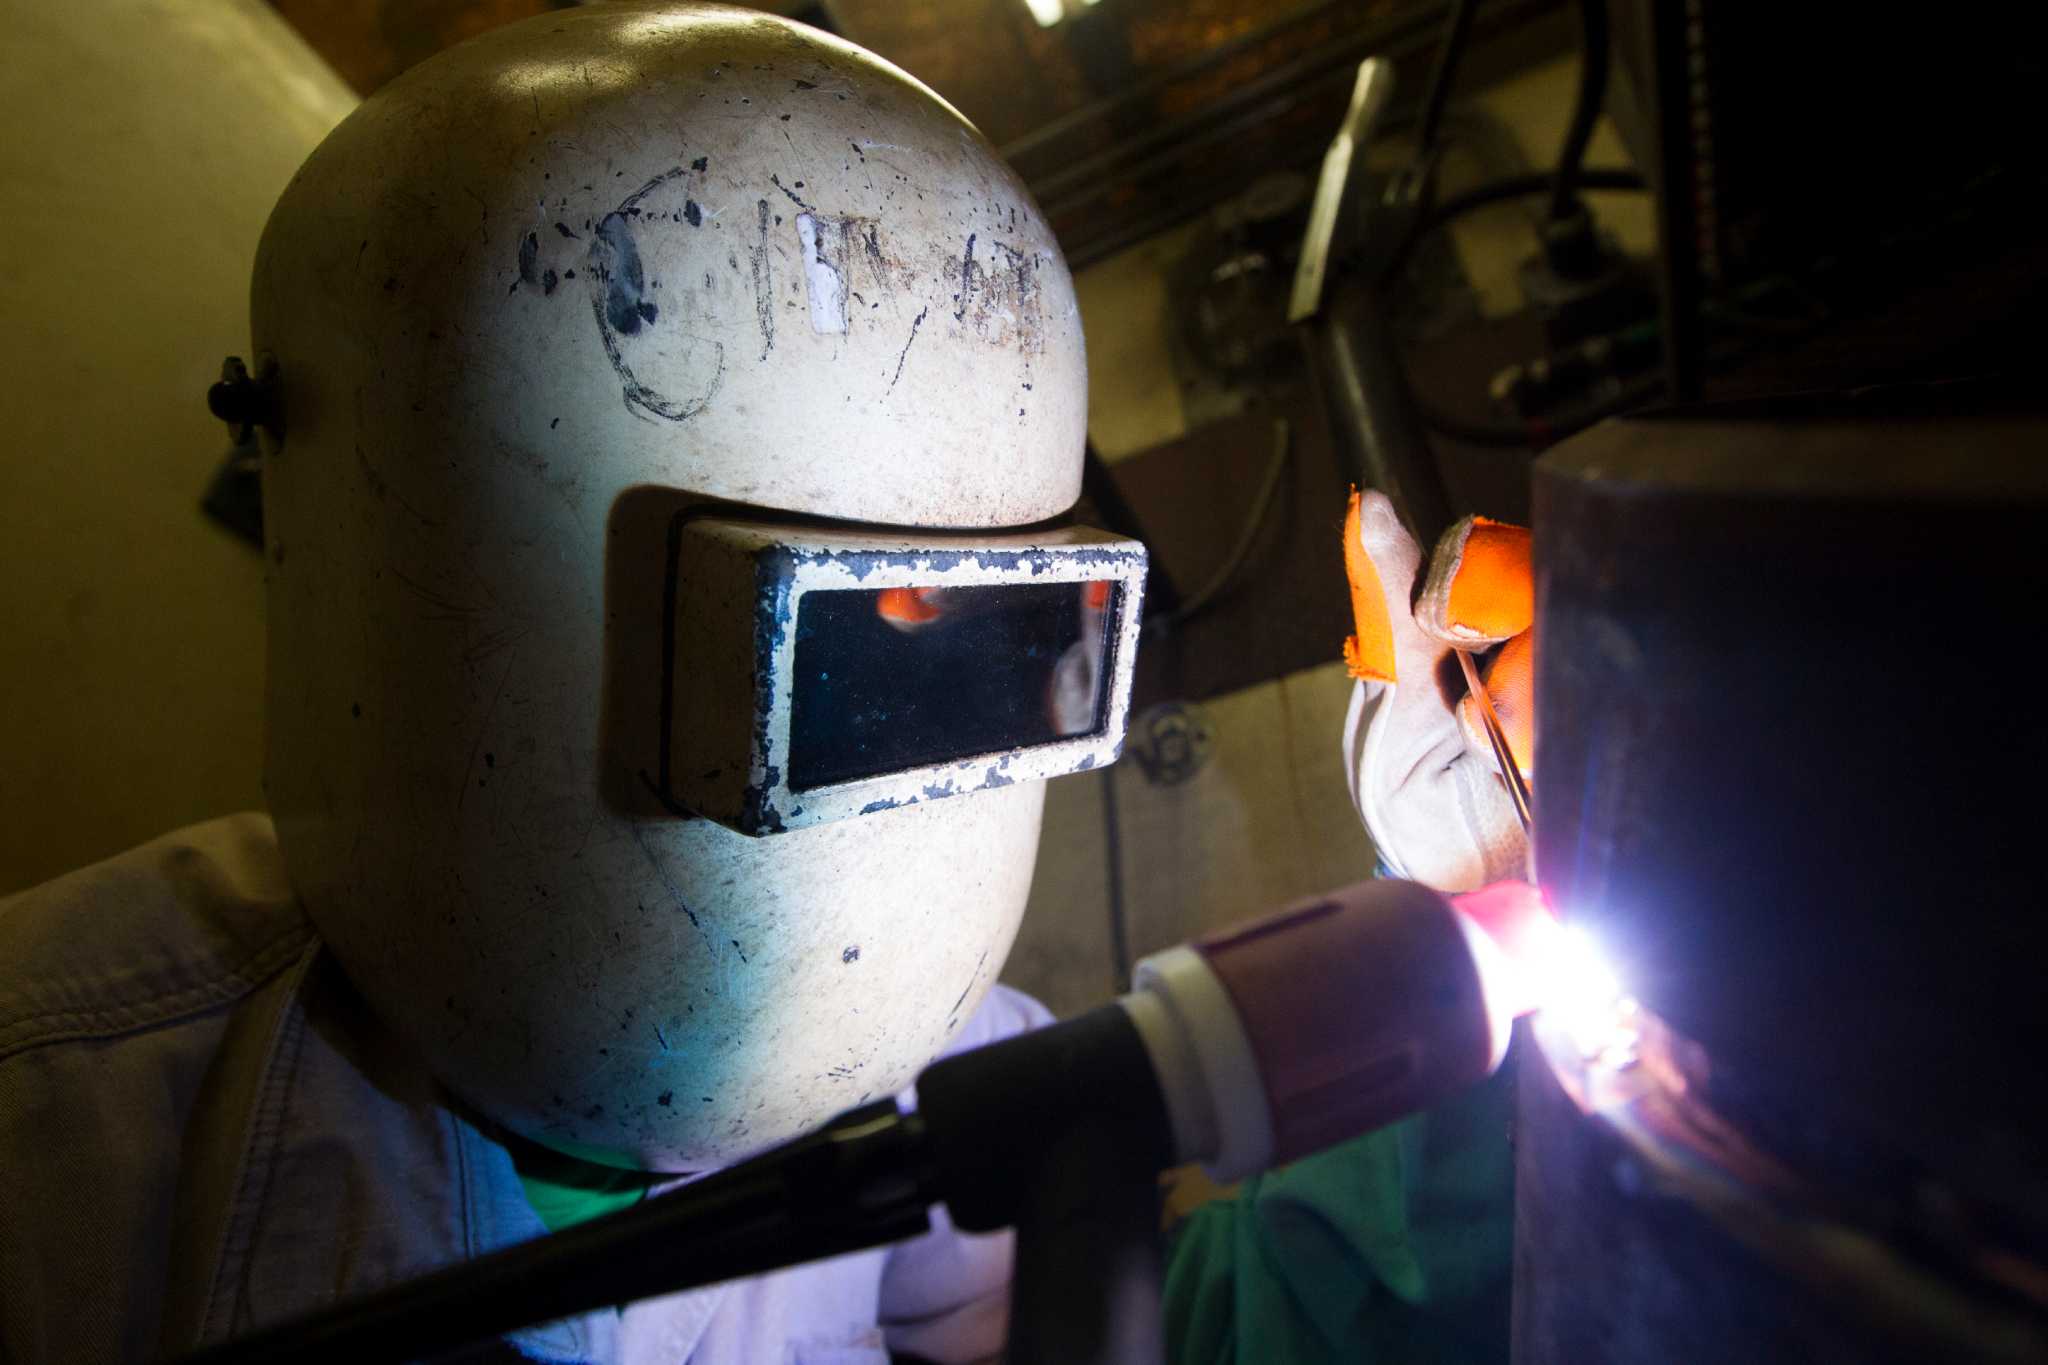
{"points": [[667, 408]]}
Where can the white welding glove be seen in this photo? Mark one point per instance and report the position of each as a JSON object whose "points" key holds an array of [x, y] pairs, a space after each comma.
{"points": [[1422, 775]]}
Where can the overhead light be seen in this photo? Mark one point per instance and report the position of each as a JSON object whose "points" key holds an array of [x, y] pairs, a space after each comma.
{"points": [[1046, 12]]}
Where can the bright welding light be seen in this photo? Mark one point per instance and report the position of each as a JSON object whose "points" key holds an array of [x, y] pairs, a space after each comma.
{"points": [[1553, 967], [1578, 990]]}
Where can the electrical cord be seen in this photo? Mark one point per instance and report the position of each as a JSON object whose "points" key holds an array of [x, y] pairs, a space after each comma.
{"points": [[1520, 186], [1586, 109], [1113, 864], [1515, 435], [1535, 431], [1499, 191], [1562, 185], [1456, 34]]}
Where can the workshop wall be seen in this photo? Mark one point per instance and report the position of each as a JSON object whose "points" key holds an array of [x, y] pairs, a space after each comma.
{"points": [[146, 141], [1262, 816]]}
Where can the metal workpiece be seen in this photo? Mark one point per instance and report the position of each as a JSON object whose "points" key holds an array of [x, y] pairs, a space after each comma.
{"points": [[1784, 778], [1688, 1230], [1787, 785]]}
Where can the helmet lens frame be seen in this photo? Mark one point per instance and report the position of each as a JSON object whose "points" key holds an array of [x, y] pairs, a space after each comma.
{"points": [[817, 675]]}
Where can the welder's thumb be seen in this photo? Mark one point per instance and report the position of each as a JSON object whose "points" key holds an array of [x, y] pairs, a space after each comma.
{"points": [[1481, 587], [1481, 592]]}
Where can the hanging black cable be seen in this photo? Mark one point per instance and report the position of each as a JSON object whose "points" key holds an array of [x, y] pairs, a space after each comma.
{"points": [[1527, 435], [1537, 433], [1500, 191], [1456, 34], [1113, 863], [1585, 111]]}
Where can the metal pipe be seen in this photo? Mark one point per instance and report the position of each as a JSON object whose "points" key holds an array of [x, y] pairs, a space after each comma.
{"points": [[1373, 426]]}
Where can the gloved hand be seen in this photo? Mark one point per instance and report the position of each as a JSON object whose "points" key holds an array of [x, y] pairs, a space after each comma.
{"points": [[1422, 774]]}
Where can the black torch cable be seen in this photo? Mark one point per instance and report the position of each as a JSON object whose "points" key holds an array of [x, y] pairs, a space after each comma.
{"points": [[856, 1184]]}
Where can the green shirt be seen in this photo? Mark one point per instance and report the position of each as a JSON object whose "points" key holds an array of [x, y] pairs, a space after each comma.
{"points": [[565, 1191], [1394, 1247]]}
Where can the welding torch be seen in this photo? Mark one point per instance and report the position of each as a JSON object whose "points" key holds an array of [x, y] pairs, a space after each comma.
{"points": [[1240, 1051]]}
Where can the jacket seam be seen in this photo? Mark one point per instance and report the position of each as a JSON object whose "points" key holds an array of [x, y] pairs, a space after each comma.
{"points": [[250, 1188], [61, 1026]]}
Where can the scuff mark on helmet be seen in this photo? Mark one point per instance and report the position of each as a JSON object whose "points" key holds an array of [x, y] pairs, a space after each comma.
{"points": [[967, 274], [618, 281], [953, 1015], [616, 259], [794, 197], [632, 201], [529, 259], [618, 288], [827, 285], [904, 354], [764, 279], [1004, 306], [667, 883]]}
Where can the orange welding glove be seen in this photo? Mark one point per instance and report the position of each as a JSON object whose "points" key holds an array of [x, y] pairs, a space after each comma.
{"points": [[1423, 776]]}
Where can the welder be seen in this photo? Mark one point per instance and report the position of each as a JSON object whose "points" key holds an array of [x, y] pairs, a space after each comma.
{"points": [[1395, 1246], [611, 371]]}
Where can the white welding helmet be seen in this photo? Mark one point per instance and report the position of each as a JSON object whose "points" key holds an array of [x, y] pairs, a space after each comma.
{"points": [[666, 408]]}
